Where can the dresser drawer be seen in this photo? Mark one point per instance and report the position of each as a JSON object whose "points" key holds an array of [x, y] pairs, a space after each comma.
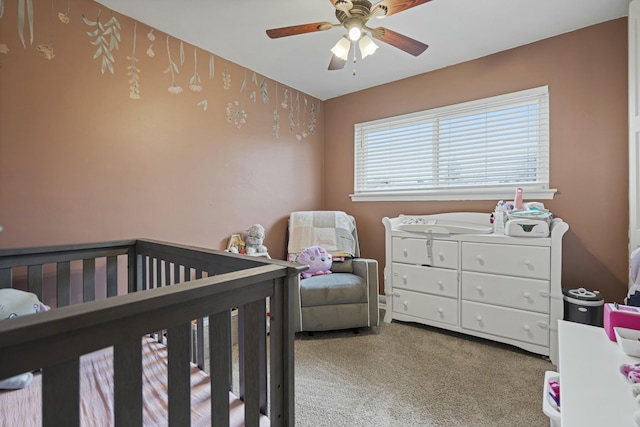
{"points": [[424, 306], [507, 291], [437, 281], [514, 260], [506, 322], [416, 251]]}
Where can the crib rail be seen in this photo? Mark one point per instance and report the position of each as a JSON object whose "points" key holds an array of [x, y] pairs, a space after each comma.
{"points": [[217, 282]]}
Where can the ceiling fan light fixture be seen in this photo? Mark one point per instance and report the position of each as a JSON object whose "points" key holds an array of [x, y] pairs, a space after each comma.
{"points": [[341, 49], [355, 33], [367, 46]]}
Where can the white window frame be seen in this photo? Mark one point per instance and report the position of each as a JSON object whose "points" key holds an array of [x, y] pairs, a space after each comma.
{"points": [[536, 190]]}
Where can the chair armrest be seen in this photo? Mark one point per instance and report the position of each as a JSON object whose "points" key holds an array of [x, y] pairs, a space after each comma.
{"points": [[368, 270]]}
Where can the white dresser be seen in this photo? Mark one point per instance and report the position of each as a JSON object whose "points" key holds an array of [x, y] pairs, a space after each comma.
{"points": [[492, 286]]}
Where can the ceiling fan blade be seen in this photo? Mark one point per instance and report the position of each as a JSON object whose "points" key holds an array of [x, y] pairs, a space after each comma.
{"points": [[275, 33], [336, 63], [344, 5], [394, 6], [409, 45]]}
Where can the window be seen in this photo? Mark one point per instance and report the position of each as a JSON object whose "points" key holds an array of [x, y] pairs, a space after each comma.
{"points": [[478, 150]]}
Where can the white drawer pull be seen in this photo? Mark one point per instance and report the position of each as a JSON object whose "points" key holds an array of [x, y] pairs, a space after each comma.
{"points": [[527, 295], [527, 262], [526, 328], [406, 304], [543, 324], [441, 285], [479, 288], [404, 279], [405, 252], [479, 318], [441, 310]]}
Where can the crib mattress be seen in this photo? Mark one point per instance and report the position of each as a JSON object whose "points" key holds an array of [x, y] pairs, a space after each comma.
{"points": [[23, 407]]}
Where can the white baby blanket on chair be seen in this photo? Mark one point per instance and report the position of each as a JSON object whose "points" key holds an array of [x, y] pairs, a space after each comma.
{"points": [[332, 230]]}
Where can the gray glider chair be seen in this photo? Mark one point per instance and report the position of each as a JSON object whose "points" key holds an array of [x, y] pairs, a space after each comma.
{"points": [[348, 297]]}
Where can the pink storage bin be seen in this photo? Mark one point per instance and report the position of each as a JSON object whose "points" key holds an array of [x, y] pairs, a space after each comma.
{"points": [[623, 316]]}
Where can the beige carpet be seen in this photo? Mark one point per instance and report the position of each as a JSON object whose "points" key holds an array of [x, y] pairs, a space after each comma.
{"points": [[410, 375]]}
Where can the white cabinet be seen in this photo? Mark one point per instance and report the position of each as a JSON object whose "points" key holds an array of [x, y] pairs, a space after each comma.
{"points": [[501, 288]]}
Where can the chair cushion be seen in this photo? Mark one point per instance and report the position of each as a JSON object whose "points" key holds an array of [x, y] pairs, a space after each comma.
{"points": [[336, 288]]}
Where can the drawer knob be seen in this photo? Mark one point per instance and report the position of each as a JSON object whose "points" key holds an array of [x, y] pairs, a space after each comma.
{"points": [[405, 252], [480, 259], [441, 285], [526, 328], [441, 310], [404, 279], [406, 304], [479, 318], [527, 262], [526, 295]]}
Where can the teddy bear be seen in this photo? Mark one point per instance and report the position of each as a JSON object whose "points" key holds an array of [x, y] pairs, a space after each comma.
{"points": [[318, 260], [253, 240]]}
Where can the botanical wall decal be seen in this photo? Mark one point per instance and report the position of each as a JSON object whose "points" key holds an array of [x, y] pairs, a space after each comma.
{"points": [[110, 30], [46, 50], [105, 36], [173, 69], [276, 117], [132, 68], [25, 6], [226, 78], [151, 38], [64, 17]]}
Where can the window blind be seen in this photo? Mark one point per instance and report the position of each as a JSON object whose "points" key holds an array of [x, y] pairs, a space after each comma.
{"points": [[495, 142]]}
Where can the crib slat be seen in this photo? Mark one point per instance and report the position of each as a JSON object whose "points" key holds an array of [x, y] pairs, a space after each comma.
{"points": [[131, 274], [220, 367], [142, 273], [6, 278], [34, 280], [179, 375], [158, 273], [253, 363], [112, 276], [200, 342], [61, 394], [167, 273], [63, 280], [88, 279], [127, 376]]}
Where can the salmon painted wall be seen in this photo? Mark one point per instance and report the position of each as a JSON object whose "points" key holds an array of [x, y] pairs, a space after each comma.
{"points": [[586, 71], [81, 160]]}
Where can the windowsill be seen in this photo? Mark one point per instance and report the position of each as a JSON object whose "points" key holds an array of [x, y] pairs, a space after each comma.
{"points": [[450, 195]]}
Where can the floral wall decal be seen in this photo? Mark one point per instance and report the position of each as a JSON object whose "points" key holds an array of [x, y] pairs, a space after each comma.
{"points": [[194, 81], [46, 50], [151, 38], [64, 17], [276, 117], [110, 30], [103, 28], [173, 69], [226, 78], [132, 68]]}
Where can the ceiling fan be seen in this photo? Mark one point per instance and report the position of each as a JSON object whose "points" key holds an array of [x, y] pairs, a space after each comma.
{"points": [[353, 16]]}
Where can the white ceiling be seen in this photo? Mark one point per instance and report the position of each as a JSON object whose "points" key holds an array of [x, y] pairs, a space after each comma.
{"points": [[455, 30]]}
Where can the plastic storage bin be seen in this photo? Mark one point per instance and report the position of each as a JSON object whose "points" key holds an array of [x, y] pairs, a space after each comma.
{"points": [[583, 306], [548, 406]]}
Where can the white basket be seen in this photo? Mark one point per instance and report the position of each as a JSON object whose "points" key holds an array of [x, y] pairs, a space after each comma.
{"points": [[547, 406]]}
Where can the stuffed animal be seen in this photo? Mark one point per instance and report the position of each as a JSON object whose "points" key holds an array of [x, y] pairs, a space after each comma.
{"points": [[631, 372], [254, 238], [14, 303], [318, 260]]}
